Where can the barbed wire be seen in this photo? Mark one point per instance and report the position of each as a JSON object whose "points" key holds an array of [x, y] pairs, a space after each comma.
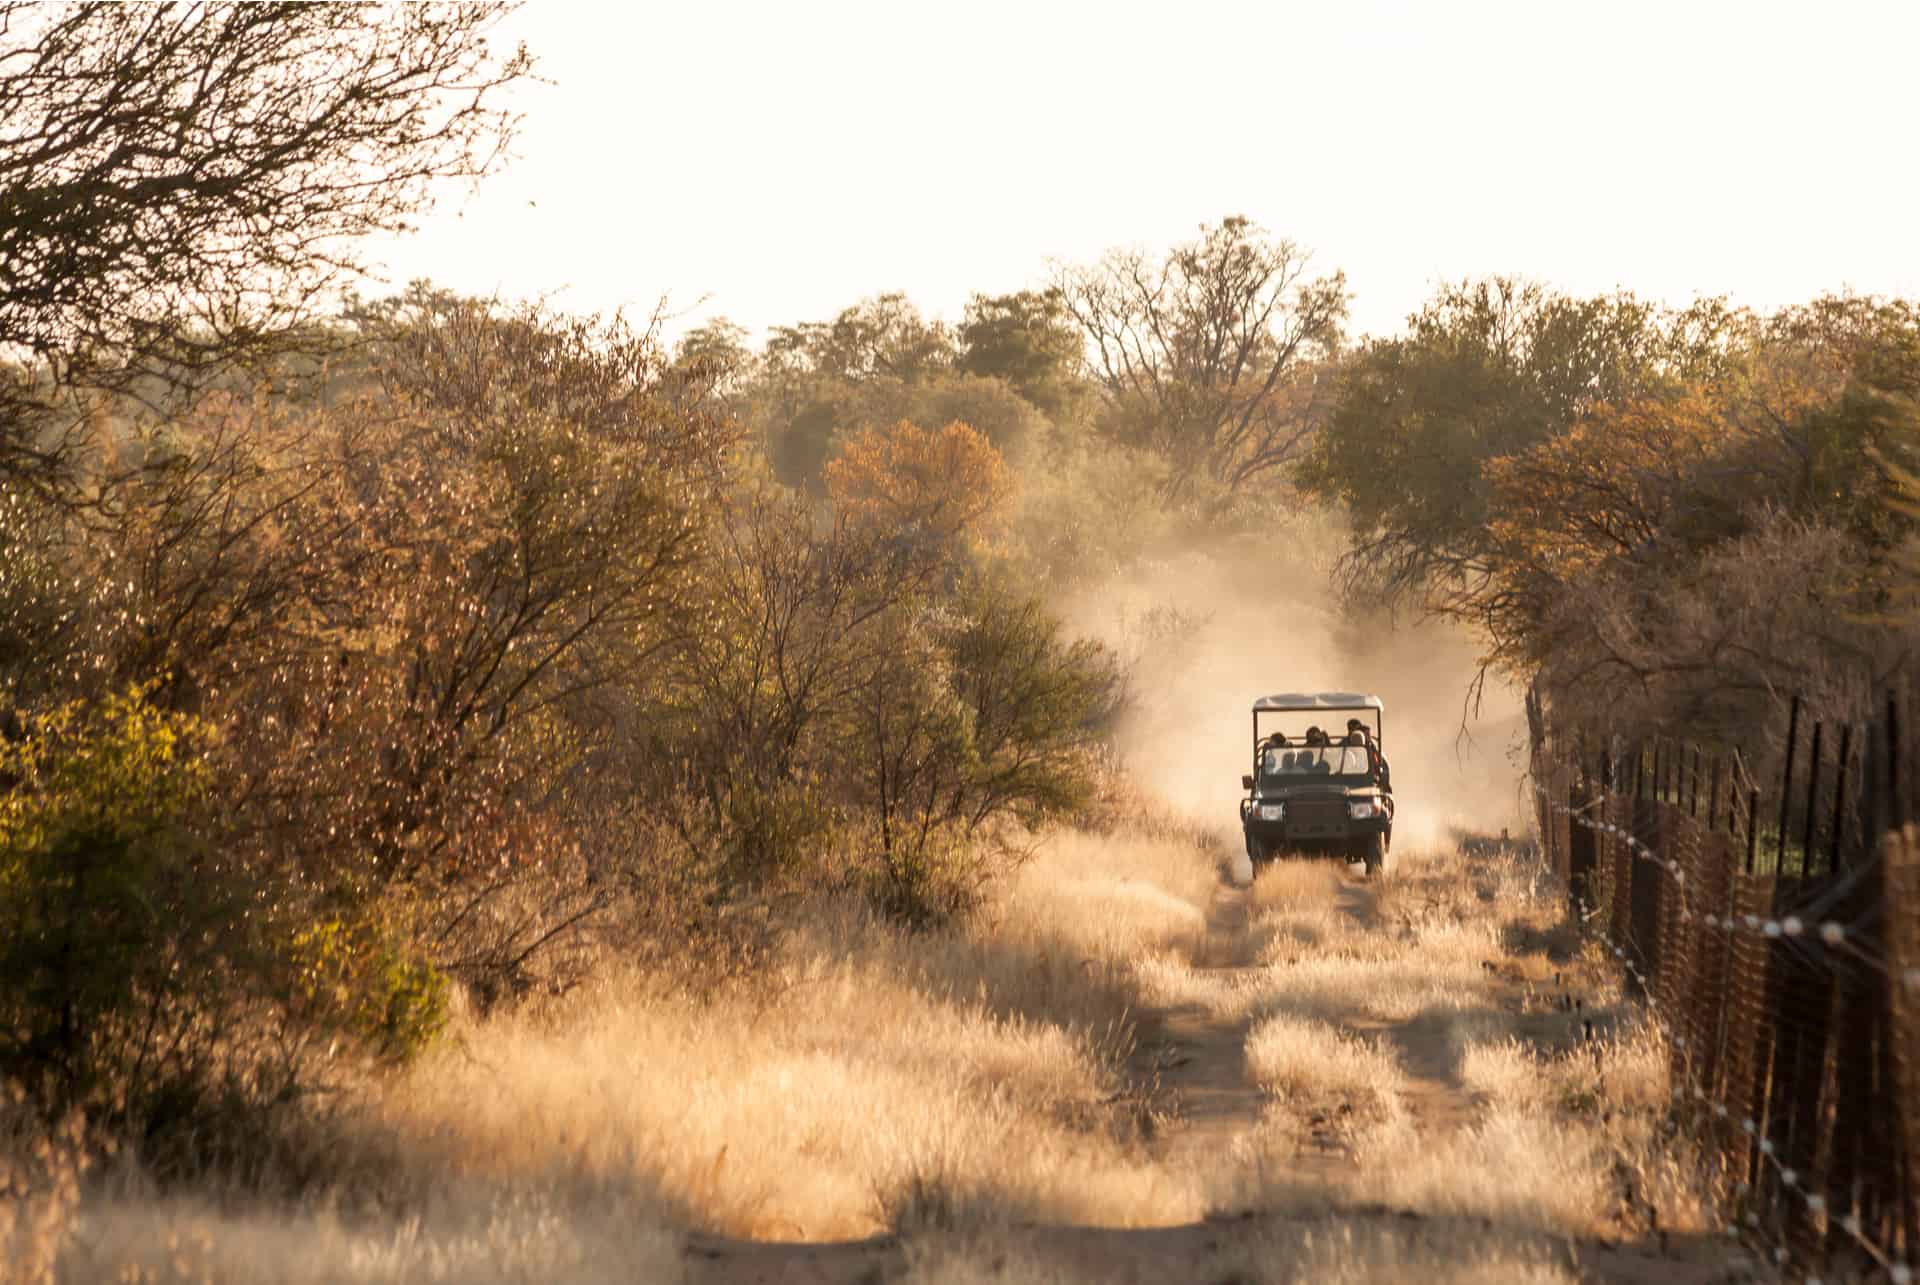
{"points": [[1831, 932], [1788, 928]]}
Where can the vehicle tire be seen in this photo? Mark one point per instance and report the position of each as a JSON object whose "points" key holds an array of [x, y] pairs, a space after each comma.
{"points": [[1373, 854]]}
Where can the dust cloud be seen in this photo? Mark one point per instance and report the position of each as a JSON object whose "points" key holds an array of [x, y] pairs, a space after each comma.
{"points": [[1210, 629]]}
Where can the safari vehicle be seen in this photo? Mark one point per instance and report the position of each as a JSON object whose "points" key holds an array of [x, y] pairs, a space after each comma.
{"points": [[1320, 782]]}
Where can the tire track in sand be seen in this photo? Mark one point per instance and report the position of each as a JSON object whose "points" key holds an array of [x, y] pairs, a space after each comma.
{"points": [[1190, 1062]]}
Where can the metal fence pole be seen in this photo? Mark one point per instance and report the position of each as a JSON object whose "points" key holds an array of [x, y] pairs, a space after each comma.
{"points": [[1713, 791], [1786, 781], [1840, 797], [1896, 784], [1813, 806]]}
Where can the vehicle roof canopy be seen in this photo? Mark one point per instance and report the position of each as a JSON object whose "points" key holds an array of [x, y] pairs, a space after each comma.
{"points": [[1319, 700]]}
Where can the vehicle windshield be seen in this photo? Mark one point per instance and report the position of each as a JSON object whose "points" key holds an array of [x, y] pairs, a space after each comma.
{"points": [[1289, 762]]}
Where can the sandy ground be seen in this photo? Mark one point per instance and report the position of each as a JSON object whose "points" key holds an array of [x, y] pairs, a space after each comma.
{"points": [[1190, 1076]]}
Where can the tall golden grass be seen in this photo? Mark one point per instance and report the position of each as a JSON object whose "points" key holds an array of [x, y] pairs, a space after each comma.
{"points": [[960, 1086], [1562, 1133]]}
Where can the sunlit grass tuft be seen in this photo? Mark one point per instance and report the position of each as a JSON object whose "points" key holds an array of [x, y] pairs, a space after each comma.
{"points": [[1303, 1063]]}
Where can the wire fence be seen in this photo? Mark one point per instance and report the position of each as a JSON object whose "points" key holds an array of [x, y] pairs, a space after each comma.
{"points": [[1775, 933]]}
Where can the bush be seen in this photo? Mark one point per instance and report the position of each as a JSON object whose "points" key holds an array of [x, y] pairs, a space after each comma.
{"points": [[147, 977], [109, 923]]}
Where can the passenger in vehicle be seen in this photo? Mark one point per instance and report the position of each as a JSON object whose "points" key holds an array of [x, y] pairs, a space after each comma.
{"points": [[1359, 734]]}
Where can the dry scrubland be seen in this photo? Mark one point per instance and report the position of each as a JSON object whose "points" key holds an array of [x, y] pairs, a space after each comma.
{"points": [[960, 1088]]}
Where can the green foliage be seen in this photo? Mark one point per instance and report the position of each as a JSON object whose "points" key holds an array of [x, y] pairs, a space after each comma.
{"points": [[1038, 704], [882, 337], [1615, 494], [989, 405], [868, 693], [980, 714], [143, 971], [1487, 369], [101, 889], [1029, 340], [356, 977], [879, 362]]}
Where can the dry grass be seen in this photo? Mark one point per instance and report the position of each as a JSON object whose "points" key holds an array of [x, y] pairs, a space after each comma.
{"points": [[1306, 1064], [1519, 1168], [40, 1175], [1113, 898], [870, 1064], [520, 1237], [1296, 885], [957, 1086], [1340, 1250], [872, 1078], [1351, 1252], [1564, 1135]]}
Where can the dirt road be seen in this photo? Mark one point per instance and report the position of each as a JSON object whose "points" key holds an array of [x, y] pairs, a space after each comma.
{"points": [[1193, 1058], [1309, 1214]]}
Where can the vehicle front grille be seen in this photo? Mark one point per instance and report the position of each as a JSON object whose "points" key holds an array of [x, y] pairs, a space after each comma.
{"points": [[1317, 812]]}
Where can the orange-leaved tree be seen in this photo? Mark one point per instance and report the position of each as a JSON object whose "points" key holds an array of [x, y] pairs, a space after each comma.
{"points": [[946, 483]]}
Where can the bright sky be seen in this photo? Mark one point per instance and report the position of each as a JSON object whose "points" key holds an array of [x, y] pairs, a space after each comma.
{"points": [[780, 161]]}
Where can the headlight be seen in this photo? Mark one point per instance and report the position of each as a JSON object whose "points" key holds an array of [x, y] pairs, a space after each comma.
{"points": [[1361, 811], [1272, 811]]}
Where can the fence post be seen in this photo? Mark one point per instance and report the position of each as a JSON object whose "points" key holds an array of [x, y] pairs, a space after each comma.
{"points": [[1734, 765], [1813, 807], [1581, 844], [1872, 791], [1786, 783], [1840, 797], [1901, 875], [1896, 783], [1713, 791]]}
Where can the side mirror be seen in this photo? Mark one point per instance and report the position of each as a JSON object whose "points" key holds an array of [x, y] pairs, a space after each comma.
{"points": [[1246, 782]]}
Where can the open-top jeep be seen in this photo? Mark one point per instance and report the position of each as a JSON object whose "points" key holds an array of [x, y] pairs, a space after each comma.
{"points": [[1319, 779]]}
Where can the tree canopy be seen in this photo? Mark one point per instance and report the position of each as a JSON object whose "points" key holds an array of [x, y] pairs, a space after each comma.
{"points": [[181, 184], [1208, 355]]}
